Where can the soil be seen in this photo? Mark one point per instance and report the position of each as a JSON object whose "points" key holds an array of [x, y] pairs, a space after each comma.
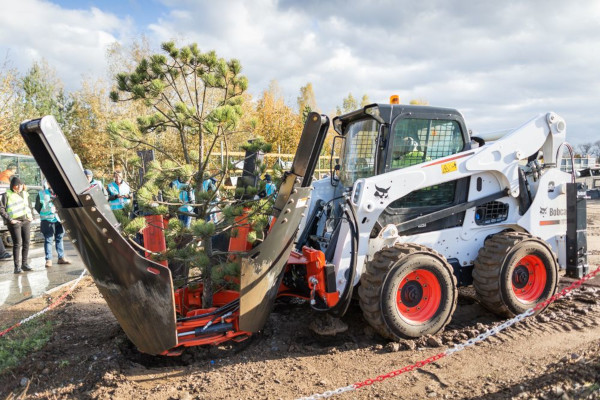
{"points": [[555, 355]]}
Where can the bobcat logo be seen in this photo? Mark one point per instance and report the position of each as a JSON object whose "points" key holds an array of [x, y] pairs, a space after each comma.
{"points": [[543, 211], [382, 193]]}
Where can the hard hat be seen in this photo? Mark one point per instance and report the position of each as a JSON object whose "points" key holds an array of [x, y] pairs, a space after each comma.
{"points": [[88, 172]]}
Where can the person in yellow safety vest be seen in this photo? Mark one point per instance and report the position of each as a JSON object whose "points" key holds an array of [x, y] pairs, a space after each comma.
{"points": [[50, 225], [119, 193], [407, 153], [14, 208]]}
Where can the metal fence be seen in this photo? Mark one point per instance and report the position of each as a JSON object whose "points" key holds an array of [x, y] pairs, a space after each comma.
{"points": [[284, 160]]}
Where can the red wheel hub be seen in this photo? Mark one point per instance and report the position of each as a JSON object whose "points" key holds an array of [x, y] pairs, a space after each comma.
{"points": [[529, 278], [419, 296]]}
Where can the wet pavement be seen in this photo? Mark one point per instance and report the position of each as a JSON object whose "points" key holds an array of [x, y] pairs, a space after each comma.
{"points": [[15, 288]]}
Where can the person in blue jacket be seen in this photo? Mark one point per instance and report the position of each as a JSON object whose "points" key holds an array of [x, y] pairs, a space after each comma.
{"points": [[209, 184], [119, 192], [50, 225], [93, 181], [187, 197], [270, 188]]}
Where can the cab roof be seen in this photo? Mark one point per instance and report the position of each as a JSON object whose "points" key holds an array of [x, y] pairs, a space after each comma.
{"points": [[387, 113]]}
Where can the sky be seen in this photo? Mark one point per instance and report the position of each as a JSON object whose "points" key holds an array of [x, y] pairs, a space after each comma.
{"points": [[499, 63]]}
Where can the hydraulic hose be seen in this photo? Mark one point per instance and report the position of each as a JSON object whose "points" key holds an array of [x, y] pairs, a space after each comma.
{"points": [[342, 305], [572, 157], [231, 306]]}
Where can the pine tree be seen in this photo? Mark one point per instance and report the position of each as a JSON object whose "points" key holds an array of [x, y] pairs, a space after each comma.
{"points": [[195, 103]]}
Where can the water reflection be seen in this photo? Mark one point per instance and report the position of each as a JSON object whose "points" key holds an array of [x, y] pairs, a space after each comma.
{"points": [[15, 288]]}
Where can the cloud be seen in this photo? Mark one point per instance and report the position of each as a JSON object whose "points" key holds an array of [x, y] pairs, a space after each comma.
{"points": [[74, 42], [499, 63]]}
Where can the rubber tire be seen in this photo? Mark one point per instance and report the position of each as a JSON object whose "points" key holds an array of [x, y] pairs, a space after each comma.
{"points": [[493, 269], [379, 283]]}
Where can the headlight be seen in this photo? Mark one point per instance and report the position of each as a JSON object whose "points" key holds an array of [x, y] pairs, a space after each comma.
{"points": [[337, 126], [373, 111]]}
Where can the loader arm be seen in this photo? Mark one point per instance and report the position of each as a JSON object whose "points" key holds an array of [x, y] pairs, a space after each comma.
{"points": [[262, 269], [138, 291]]}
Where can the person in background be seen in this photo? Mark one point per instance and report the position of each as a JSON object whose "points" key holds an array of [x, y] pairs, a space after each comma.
{"points": [[14, 208], [4, 255], [90, 177], [187, 196], [50, 225], [119, 193], [8, 173], [209, 184], [408, 153], [270, 188]]}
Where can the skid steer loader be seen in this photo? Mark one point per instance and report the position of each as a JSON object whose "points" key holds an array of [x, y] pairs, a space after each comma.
{"points": [[414, 208]]}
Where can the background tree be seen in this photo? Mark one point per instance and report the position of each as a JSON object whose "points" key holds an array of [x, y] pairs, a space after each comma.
{"points": [[419, 102], [306, 101], [90, 113], [588, 149], [8, 89], [276, 122], [364, 101], [307, 98], [39, 92], [348, 104], [42, 93], [585, 148]]}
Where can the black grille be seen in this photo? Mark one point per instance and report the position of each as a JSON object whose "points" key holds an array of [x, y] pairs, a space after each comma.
{"points": [[491, 213]]}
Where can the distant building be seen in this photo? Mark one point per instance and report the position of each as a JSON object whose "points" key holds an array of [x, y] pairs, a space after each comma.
{"points": [[587, 161]]}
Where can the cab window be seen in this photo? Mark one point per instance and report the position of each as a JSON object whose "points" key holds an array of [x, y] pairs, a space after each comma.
{"points": [[415, 141], [29, 172], [358, 159]]}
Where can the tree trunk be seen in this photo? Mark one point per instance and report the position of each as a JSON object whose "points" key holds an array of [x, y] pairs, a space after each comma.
{"points": [[184, 146], [207, 293], [201, 160]]}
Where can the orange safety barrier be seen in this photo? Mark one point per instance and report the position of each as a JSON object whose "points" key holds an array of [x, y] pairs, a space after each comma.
{"points": [[154, 235]]}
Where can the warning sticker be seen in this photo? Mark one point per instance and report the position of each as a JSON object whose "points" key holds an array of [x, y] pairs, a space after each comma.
{"points": [[449, 167], [302, 202]]}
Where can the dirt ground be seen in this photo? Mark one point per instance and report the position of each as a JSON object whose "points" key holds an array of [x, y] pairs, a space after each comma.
{"points": [[555, 355]]}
